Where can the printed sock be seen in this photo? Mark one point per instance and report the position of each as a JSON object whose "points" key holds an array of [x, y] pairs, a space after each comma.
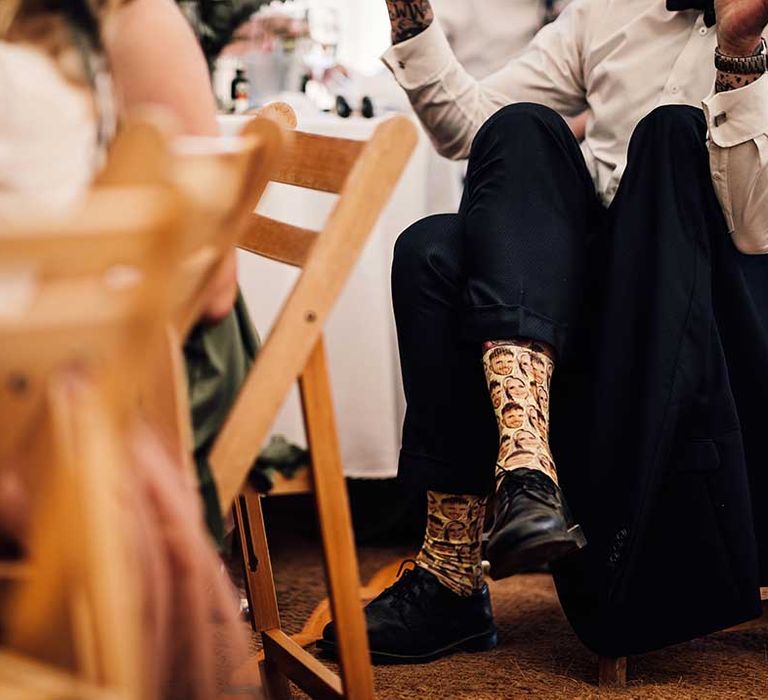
{"points": [[518, 373], [451, 549]]}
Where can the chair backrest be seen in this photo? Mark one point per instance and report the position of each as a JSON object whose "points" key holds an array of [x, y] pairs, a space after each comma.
{"points": [[65, 283], [82, 297], [363, 174], [220, 179]]}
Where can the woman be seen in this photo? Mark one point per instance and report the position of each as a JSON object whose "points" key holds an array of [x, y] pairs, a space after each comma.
{"points": [[165, 67]]}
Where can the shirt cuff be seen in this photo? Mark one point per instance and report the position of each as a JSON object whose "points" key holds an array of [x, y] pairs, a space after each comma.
{"points": [[738, 116], [420, 59]]}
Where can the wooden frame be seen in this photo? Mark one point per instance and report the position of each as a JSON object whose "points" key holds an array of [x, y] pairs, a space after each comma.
{"points": [[73, 616], [364, 175]]}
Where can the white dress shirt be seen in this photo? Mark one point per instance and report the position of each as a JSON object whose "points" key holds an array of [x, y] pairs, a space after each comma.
{"points": [[620, 59]]}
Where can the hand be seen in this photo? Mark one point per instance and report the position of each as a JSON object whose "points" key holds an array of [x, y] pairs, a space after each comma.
{"points": [[740, 25], [221, 292]]}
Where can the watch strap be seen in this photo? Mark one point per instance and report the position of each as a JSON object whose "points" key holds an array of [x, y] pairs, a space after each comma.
{"points": [[743, 65]]}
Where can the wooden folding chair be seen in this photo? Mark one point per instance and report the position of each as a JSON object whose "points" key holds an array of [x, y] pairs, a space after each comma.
{"points": [[220, 182], [82, 300], [363, 174]]}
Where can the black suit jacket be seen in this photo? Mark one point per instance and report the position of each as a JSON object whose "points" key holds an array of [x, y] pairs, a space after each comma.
{"points": [[677, 528]]}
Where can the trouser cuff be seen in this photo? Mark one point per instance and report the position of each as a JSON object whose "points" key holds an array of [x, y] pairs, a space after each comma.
{"points": [[502, 322], [426, 473]]}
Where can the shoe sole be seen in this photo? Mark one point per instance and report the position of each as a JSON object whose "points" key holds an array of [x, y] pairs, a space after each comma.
{"points": [[478, 643], [534, 553]]}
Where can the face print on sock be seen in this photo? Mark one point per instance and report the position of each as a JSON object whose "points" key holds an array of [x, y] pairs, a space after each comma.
{"points": [[501, 361], [455, 532], [455, 508], [451, 549], [523, 416], [516, 389], [521, 458], [525, 440], [542, 395], [497, 394], [539, 370], [526, 368], [513, 416]]}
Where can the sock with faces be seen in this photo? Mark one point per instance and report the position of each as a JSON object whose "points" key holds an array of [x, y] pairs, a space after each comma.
{"points": [[451, 549], [518, 373]]}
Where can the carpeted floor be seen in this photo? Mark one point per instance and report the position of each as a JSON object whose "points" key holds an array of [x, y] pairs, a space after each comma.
{"points": [[538, 655]]}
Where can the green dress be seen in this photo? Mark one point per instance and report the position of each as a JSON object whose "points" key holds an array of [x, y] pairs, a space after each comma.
{"points": [[218, 357]]}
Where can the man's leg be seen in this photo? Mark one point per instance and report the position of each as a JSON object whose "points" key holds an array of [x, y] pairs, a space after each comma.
{"points": [[530, 212], [510, 266], [449, 433], [448, 450]]}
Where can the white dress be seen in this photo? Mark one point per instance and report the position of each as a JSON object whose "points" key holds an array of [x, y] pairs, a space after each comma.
{"points": [[49, 145]]}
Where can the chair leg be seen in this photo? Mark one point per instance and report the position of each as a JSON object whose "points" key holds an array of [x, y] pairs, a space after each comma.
{"points": [[612, 672], [259, 582], [275, 684], [336, 528], [260, 586]]}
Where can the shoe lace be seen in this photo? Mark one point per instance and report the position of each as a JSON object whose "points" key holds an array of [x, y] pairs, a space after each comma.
{"points": [[538, 488], [401, 589]]}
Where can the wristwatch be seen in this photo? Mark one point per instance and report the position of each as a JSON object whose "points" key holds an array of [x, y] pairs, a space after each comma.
{"points": [[743, 65]]}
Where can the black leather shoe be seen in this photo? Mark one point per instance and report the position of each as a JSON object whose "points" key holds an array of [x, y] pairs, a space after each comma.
{"points": [[417, 620], [532, 525]]}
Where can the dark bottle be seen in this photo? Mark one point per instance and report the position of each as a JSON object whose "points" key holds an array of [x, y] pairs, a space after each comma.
{"points": [[240, 92]]}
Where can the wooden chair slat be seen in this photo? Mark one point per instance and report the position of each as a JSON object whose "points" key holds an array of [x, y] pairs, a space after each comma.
{"points": [[278, 241], [67, 248], [295, 333], [318, 163], [302, 668]]}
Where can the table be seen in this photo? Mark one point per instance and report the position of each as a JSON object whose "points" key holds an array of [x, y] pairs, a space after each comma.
{"points": [[360, 334]]}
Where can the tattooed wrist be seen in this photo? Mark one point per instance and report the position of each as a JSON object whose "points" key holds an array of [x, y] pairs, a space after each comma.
{"points": [[733, 81], [409, 18]]}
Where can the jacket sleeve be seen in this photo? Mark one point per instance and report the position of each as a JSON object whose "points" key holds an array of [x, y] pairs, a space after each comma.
{"points": [[453, 105], [738, 154]]}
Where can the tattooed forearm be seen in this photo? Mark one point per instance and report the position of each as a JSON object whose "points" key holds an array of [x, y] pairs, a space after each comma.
{"points": [[408, 18], [731, 81]]}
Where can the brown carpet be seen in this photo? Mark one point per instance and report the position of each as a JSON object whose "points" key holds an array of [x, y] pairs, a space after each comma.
{"points": [[538, 655]]}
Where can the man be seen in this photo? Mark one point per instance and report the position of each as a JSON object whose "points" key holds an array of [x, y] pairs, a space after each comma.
{"points": [[627, 270]]}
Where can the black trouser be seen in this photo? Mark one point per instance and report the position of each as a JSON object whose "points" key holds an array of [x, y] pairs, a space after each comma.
{"points": [[533, 254]]}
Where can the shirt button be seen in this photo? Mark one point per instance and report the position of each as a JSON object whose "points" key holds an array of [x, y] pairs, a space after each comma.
{"points": [[703, 31], [401, 64], [674, 89]]}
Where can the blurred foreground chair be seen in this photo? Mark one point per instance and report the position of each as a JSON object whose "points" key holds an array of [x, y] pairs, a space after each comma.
{"points": [[82, 300], [221, 181], [364, 175]]}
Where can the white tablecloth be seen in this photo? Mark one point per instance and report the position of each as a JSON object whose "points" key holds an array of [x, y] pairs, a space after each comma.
{"points": [[360, 335]]}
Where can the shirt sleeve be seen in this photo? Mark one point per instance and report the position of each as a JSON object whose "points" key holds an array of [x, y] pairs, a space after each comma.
{"points": [[453, 105], [738, 154]]}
